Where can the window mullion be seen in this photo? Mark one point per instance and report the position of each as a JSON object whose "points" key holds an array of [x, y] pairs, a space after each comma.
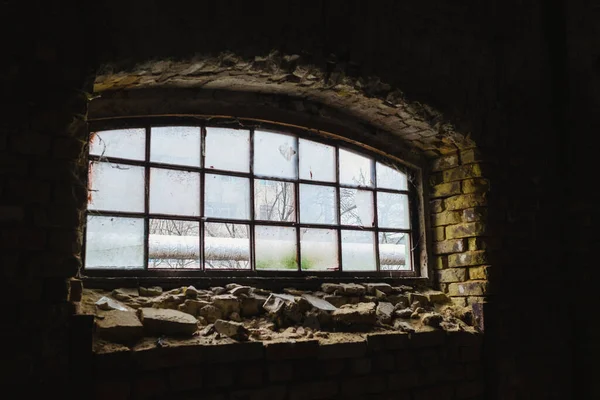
{"points": [[339, 210], [252, 226], [202, 182], [147, 198]]}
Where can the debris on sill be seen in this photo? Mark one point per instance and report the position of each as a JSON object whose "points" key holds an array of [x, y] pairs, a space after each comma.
{"points": [[244, 313]]}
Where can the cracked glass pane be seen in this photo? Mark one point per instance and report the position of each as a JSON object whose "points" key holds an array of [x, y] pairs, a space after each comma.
{"points": [[274, 200], [114, 243], [317, 204], [129, 144], [227, 149], [173, 244], [226, 197], [275, 248], [390, 178], [179, 145], [355, 170], [392, 210], [358, 251], [275, 155], [174, 192], [356, 207], [115, 187], [319, 249], [394, 251], [226, 246], [317, 161]]}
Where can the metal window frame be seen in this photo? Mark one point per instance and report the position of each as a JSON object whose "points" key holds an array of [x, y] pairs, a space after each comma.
{"points": [[414, 231]]}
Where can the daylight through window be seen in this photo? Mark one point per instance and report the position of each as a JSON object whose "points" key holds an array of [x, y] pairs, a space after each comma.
{"points": [[213, 198]]}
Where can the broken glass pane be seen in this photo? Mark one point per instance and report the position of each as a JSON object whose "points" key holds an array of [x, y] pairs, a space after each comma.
{"points": [[275, 248], [178, 145], [356, 207], [114, 242], [173, 244], [274, 200], [390, 178], [115, 187], [227, 197], [319, 249], [121, 143], [226, 246], [275, 155], [317, 161], [358, 251], [392, 210], [394, 251], [174, 192], [355, 170], [227, 149], [317, 204]]}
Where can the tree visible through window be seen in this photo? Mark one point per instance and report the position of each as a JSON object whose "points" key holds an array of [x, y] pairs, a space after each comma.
{"points": [[213, 198]]}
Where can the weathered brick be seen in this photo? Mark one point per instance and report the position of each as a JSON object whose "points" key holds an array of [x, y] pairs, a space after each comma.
{"points": [[387, 341], [409, 379], [471, 288], [450, 275], [463, 201], [446, 218], [436, 392], [445, 189], [149, 385], [359, 385], [468, 258], [437, 206], [441, 262], [464, 230], [459, 301], [383, 362], [439, 233], [280, 372], [427, 338], [186, 378], [474, 214], [449, 246], [314, 390], [470, 156], [67, 147], [292, 349], [475, 300], [342, 350], [360, 366], [462, 172], [477, 185], [442, 163], [30, 143], [481, 272]]}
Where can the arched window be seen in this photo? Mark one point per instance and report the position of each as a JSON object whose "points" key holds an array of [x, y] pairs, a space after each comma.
{"points": [[189, 198]]}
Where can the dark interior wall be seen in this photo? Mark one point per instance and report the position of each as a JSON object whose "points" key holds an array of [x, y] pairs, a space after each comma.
{"points": [[496, 69]]}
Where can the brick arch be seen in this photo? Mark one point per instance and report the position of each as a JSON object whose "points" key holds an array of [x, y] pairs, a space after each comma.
{"points": [[281, 88]]}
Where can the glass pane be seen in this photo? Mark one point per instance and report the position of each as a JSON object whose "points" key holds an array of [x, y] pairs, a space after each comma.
{"points": [[227, 149], [319, 249], [356, 207], [227, 197], [116, 243], [317, 204], [275, 248], [274, 201], [275, 155], [175, 145], [317, 161], [226, 246], [394, 251], [355, 169], [173, 244], [390, 178], [174, 192], [116, 187], [392, 210], [358, 251], [122, 143]]}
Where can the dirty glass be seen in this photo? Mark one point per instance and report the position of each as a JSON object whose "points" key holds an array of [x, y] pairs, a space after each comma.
{"points": [[275, 155], [173, 244], [227, 149], [317, 161], [120, 143], [392, 210], [226, 246], [174, 192], [390, 178], [275, 248], [356, 207], [358, 251], [114, 242], [178, 145], [394, 251], [317, 204], [318, 249], [274, 200], [355, 170], [227, 197], [115, 187]]}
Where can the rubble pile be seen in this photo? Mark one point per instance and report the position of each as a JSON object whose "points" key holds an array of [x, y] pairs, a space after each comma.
{"points": [[247, 313]]}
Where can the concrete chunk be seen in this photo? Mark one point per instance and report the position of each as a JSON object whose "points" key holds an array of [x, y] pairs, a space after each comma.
{"points": [[168, 322], [119, 326]]}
